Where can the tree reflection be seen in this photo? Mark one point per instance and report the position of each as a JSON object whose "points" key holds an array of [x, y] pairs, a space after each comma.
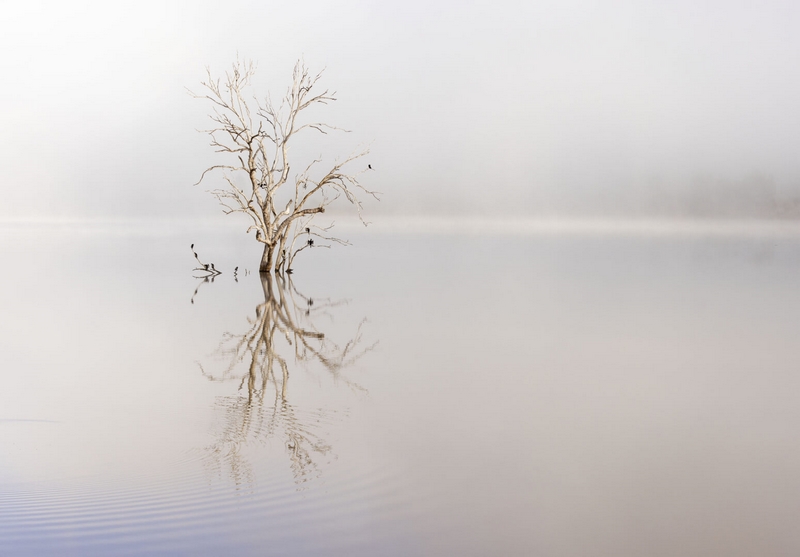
{"points": [[283, 331]]}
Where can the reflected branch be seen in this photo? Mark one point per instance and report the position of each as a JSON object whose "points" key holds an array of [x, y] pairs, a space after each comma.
{"points": [[204, 280], [258, 360]]}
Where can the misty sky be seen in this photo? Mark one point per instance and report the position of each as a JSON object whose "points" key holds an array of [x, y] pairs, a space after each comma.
{"points": [[469, 107]]}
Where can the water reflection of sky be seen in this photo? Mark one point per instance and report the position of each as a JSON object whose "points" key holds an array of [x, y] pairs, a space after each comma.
{"points": [[530, 393]]}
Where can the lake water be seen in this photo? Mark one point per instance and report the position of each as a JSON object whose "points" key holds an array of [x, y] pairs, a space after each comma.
{"points": [[541, 390]]}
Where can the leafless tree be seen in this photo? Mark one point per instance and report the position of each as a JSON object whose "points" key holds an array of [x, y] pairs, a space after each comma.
{"points": [[256, 135]]}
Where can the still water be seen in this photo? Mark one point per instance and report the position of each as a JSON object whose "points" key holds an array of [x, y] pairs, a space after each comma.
{"points": [[541, 392]]}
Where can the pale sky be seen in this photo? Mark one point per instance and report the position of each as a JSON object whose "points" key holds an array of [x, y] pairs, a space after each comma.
{"points": [[469, 107]]}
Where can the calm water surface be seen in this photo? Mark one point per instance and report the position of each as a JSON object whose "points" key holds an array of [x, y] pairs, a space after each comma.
{"points": [[545, 393]]}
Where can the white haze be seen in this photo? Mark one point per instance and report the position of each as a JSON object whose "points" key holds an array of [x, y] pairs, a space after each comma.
{"points": [[535, 108]]}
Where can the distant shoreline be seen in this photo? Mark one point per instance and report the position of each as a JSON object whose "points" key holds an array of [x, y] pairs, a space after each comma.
{"points": [[466, 225]]}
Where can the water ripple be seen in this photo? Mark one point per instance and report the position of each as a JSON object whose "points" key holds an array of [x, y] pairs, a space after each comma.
{"points": [[182, 511]]}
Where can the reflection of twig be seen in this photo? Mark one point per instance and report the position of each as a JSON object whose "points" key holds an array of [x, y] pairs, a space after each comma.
{"points": [[247, 416], [209, 278]]}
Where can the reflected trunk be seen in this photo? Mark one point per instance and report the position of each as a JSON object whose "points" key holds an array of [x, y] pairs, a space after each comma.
{"points": [[259, 358]]}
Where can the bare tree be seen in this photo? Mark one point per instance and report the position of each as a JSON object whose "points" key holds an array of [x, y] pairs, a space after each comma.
{"points": [[256, 137]]}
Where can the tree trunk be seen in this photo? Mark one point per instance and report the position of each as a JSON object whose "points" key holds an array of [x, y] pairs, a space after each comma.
{"points": [[266, 259]]}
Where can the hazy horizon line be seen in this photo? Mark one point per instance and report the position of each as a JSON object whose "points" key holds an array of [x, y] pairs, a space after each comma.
{"points": [[445, 224]]}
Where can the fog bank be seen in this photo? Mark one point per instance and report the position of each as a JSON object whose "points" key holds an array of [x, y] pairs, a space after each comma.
{"points": [[546, 108]]}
